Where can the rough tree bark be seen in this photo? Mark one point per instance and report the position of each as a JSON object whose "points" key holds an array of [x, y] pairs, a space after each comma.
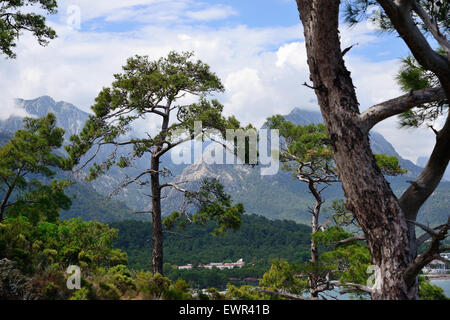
{"points": [[157, 249], [368, 194], [313, 279]]}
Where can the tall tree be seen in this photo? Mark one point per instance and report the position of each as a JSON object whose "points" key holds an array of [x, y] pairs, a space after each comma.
{"points": [[30, 155], [13, 21], [151, 90], [306, 152], [388, 222]]}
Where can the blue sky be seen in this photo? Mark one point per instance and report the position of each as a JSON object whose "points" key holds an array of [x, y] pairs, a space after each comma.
{"points": [[256, 48]]}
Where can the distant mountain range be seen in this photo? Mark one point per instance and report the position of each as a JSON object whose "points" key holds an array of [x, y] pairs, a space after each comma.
{"points": [[276, 197]]}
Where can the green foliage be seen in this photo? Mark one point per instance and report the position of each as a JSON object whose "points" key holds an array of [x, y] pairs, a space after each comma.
{"points": [[13, 21], [412, 76], [307, 152], [211, 204], [258, 239], [246, 293], [258, 242], [42, 202], [158, 287], [346, 263], [428, 291], [44, 251], [389, 165], [87, 244], [307, 145], [30, 154], [342, 217], [147, 88], [356, 11], [284, 276]]}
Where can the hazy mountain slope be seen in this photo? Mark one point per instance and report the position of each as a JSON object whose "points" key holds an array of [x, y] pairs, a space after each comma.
{"points": [[278, 196], [282, 197], [87, 203]]}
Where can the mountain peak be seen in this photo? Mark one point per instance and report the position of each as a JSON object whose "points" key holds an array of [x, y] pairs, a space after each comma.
{"points": [[46, 99], [304, 117], [68, 116]]}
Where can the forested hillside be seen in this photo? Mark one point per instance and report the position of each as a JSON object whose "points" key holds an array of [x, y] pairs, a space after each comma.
{"points": [[258, 242]]}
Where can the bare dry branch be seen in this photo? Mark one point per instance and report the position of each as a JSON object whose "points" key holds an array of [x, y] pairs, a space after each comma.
{"points": [[352, 239], [357, 286], [437, 235]]}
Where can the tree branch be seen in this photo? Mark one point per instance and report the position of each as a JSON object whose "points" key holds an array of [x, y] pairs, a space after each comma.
{"points": [[134, 180], [401, 18], [384, 110], [419, 191], [354, 285], [424, 237], [432, 27], [355, 238], [430, 254]]}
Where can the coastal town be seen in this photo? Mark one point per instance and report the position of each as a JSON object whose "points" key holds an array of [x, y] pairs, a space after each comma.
{"points": [[438, 268], [219, 265]]}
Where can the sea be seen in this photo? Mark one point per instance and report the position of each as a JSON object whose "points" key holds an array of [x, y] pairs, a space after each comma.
{"points": [[444, 284]]}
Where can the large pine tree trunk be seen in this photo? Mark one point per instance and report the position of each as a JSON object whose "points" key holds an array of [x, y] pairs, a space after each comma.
{"points": [[368, 194], [157, 250]]}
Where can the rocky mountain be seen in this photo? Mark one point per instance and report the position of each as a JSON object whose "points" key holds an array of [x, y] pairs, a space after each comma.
{"points": [[88, 203], [68, 116], [282, 197], [279, 196]]}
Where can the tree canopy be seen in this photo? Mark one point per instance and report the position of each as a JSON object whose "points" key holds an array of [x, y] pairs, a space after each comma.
{"points": [[149, 89], [14, 20], [26, 161]]}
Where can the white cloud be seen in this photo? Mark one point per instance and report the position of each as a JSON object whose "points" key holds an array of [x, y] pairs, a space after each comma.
{"points": [[294, 55], [213, 13], [150, 12], [263, 69], [105, 8]]}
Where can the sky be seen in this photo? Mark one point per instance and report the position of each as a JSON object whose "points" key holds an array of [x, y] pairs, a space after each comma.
{"points": [[255, 46]]}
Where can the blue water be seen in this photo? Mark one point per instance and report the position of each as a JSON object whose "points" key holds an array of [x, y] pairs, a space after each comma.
{"points": [[444, 284]]}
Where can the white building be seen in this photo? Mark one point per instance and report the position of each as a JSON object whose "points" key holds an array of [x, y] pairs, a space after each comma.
{"points": [[230, 265], [446, 255], [438, 266], [186, 267]]}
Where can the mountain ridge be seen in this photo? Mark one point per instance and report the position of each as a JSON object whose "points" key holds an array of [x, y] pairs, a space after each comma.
{"points": [[275, 197]]}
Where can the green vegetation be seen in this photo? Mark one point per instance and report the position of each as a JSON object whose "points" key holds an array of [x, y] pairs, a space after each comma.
{"points": [[43, 252], [258, 242], [153, 88], [428, 291], [27, 160], [88, 205], [13, 22]]}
